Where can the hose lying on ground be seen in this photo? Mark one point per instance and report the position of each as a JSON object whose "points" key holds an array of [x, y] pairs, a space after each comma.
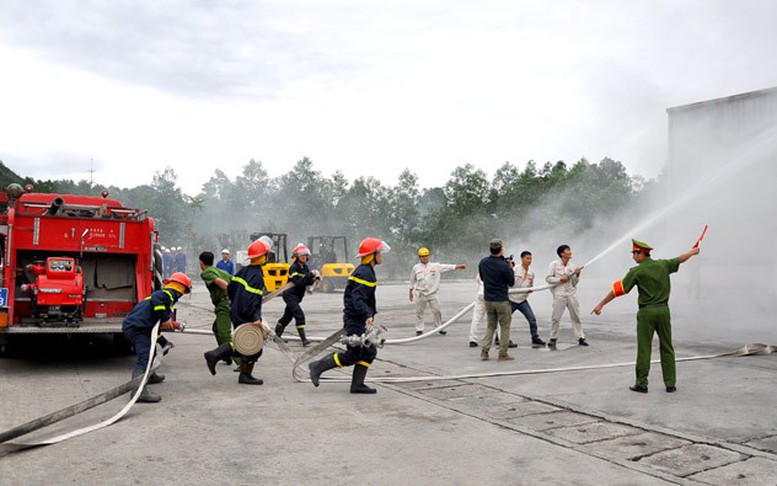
{"points": [[747, 350], [73, 410], [33, 425]]}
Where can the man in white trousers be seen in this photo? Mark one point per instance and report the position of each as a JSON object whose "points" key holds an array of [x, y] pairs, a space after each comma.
{"points": [[424, 284], [564, 277], [478, 328]]}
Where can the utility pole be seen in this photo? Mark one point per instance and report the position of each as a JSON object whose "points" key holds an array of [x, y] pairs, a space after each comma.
{"points": [[91, 172]]}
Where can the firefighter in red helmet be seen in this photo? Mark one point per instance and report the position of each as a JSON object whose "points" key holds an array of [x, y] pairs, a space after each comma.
{"points": [[137, 326], [302, 277], [358, 315], [245, 292]]}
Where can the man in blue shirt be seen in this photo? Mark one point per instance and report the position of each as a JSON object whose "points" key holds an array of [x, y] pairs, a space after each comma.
{"points": [[180, 261], [167, 262], [497, 276], [225, 263]]}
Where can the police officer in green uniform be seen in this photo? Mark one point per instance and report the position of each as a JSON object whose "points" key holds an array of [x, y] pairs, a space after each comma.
{"points": [[217, 280], [651, 277]]}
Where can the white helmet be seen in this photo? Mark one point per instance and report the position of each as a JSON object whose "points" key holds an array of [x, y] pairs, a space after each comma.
{"points": [[167, 250], [225, 250], [267, 241]]}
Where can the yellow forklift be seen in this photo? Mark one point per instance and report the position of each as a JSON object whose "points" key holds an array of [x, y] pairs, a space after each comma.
{"points": [[329, 255], [276, 270]]}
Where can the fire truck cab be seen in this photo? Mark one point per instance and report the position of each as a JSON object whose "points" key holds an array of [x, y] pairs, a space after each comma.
{"points": [[72, 263]]}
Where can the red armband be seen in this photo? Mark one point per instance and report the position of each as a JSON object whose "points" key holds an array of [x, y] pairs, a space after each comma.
{"points": [[617, 288]]}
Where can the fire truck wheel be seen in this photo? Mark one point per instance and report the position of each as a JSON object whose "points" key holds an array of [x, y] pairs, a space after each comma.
{"points": [[5, 344], [328, 285], [120, 344]]}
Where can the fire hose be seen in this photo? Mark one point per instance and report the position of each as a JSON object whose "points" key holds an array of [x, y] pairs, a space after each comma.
{"points": [[137, 384], [445, 325], [746, 350], [469, 307], [24, 429]]}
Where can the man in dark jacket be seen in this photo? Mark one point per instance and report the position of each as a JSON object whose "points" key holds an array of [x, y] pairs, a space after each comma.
{"points": [[137, 326], [245, 292], [497, 276], [358, 315], [301, 276]]}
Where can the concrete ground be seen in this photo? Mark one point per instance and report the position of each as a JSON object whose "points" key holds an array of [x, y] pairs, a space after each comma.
{"points": [[575, 427]]}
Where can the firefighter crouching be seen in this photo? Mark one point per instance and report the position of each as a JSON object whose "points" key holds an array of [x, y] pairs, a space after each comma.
{"points": [[358, 316], [137, 326], [245, 292], [301, 276]]}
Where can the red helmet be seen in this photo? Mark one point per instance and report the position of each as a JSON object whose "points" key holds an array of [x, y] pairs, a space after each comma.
{"points": [[300, 250], [257, 249], [180, 278], [372, 245]]}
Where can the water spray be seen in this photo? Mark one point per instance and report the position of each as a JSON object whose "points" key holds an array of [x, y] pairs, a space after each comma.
{"points": [[760, 147]]}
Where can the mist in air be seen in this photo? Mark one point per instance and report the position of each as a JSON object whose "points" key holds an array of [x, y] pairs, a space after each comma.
{"points": [[721, 172]]}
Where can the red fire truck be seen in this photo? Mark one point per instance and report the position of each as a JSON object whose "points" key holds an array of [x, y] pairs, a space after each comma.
{"points": [[72, 264]]}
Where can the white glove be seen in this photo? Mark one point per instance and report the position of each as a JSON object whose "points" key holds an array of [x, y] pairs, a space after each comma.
{"points": [[266, 331]]}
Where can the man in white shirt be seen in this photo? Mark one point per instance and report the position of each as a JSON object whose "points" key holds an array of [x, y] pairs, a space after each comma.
{"points": [[564, 277], [524, 279], [424, 284]]}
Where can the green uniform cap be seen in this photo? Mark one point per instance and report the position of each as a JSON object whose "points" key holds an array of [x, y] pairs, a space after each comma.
{"points": [[640, 245]]}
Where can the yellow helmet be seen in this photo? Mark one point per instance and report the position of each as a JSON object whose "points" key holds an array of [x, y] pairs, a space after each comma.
{"points": [[424, 251]]}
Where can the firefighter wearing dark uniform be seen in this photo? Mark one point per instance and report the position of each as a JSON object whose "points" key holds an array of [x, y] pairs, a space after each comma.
{"points": [[651, 277], [301, 276], [358, 313], [137, 326], [245, 292]]}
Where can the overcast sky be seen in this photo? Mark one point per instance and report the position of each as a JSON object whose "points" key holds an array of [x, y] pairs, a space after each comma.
{"points": [[367, 87]]}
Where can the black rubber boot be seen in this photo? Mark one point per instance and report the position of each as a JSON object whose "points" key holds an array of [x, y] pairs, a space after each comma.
{"points": [[304, 339], [279, 328], [318, 367], [146, 396], [155, 378], [213, 356], [245, 377], [357, 382]]}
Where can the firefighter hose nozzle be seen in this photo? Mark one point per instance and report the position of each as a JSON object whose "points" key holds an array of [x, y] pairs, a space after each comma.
{"points": [[371, 337]]}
